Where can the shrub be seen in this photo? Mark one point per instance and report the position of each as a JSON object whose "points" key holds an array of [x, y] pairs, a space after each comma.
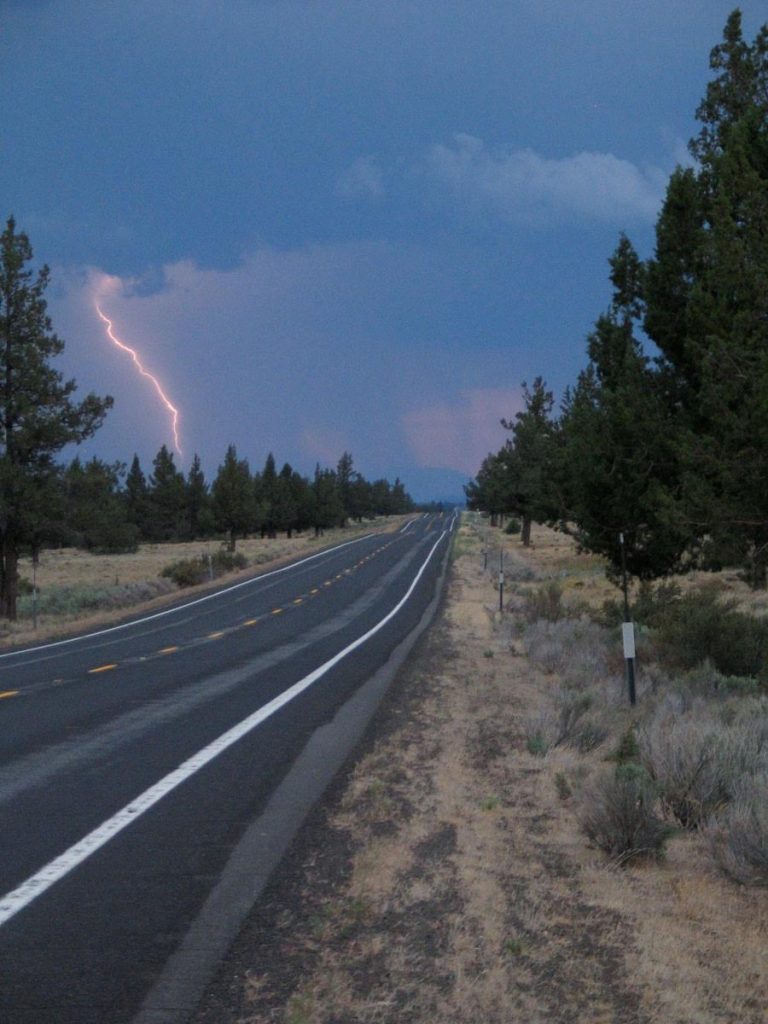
{"points": [[650, 606], [684, 757], [513, 527], [699, 759], [578, 650], [617, 815], [566, 722], [563, 786], [571, 707], [706, 679], [540, 732], [517, 570], [628, 749], [738, 835], [536, 744], [653, 604], [187, 572], [69, 602], [702, 626], [545, 602]]}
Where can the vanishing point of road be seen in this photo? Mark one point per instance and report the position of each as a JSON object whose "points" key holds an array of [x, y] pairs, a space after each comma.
{"points": [[152, 774]]}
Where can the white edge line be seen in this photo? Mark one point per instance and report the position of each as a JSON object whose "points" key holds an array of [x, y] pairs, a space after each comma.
{"points": [[189, 604], [55, 870]]}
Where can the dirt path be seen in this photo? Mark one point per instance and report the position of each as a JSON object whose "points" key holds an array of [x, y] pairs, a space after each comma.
{"points": [[445, 878]]}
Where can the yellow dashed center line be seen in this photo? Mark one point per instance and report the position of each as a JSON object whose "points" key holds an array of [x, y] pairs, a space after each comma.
{"points": [[215, 636], [167, 650], [315, 591], [299, 600], [101, 668], [8, 693], [277, 611], [250, 622]]}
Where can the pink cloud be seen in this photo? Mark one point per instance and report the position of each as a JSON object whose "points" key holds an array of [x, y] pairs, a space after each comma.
{"points": [[324, 445], [458, 436]]}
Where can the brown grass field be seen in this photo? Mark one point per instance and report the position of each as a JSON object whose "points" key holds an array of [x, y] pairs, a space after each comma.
{"points": [[70, 568]]}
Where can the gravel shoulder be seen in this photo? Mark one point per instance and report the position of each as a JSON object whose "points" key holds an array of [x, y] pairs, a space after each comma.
{"points": [[444, 877]]}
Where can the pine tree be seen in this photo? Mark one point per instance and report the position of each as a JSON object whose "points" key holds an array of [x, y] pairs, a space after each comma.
{"points": [[95, 512], [266, 496], [136, 497], [38, 416], [527, 461], [284, 511], [232, 494], [707, 304], [327, 508], [618, 450], [360, 500], [166, 496], [198, 500]]}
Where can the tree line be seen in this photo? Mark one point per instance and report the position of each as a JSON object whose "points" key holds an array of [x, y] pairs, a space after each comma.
{"points": [[101, 506], [663, 439], [108, 506]]}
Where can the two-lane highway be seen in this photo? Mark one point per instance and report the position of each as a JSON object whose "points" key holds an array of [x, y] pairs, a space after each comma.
{"points": [[152, 773]]}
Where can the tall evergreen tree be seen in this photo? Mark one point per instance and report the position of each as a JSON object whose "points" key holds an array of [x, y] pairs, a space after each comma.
{"points": [[266, 497], [198, 500], [707, 303], [527, 461], [136, 497], [618, 448], [38, 415], [167, 499], [95, 513], [284, 510], [327, 508], [360, 502], [345, 475], [232, 494]]}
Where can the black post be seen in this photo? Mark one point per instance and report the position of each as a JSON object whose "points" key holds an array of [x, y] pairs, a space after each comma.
{"points": [[629, 655], [34, 588], [501, 579]]}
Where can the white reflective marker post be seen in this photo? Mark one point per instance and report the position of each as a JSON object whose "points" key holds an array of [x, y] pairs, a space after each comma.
{"points": [[628, 628]]}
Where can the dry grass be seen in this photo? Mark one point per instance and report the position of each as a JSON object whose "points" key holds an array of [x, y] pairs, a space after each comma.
{"points": [[68, 567], [468, 893]]}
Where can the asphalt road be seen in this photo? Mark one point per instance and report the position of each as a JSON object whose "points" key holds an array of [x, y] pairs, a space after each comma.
{"points": [[152, 774]]}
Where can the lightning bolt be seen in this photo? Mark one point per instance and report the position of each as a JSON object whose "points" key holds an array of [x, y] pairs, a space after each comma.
{"points": [[145, 373]]}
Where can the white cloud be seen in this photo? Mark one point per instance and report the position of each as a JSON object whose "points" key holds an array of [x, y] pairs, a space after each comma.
{"points": [[364, 179], [522, 185]]}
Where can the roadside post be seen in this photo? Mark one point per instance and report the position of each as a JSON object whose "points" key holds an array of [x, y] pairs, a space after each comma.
{"points": [[34, 589], [627, 628], [501, 580]]}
